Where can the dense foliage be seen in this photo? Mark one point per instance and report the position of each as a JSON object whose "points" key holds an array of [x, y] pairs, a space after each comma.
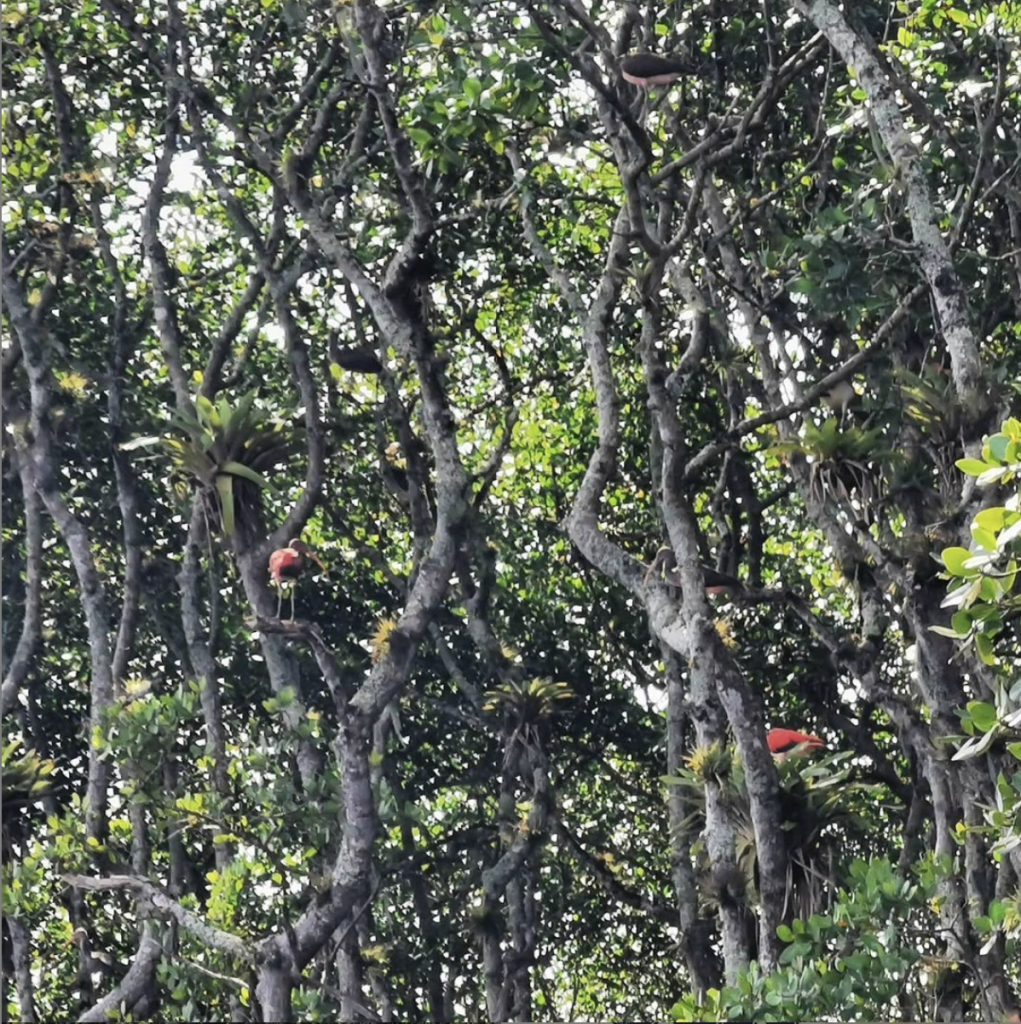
{"points": [[628, 424]]}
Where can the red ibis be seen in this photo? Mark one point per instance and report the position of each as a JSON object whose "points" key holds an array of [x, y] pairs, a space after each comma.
{"points": [[784, 743], [286, 565], [648, 69]]}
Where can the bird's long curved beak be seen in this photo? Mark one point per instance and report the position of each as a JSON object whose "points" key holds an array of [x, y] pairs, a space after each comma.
{"points": [[315, 558]]}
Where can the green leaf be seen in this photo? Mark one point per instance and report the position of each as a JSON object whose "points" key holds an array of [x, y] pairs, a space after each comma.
{"points": [[960, 17], [961, 623], [207, 411], [1008, 581], [973, 467], [954, 559], [982, 714], [139, 442], [240, 469], [985, 539], [420, 136], [472, 89], [226, 416], [992, 519], [998, 446], [984, 646], [225, 488]]}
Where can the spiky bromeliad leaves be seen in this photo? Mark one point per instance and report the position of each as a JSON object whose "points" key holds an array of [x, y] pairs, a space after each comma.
{"points": [[842, 462], [381, 639], [712, 761], [228, 451], [528, 702], [817, 800], [26, 780]]}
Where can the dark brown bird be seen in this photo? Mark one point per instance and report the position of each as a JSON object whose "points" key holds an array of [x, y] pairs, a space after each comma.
{"points": [[648, 69], [664, 565], [356, 360], [286, 565]]}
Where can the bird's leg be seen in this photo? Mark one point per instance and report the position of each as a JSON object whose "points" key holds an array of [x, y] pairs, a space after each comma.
{"points": [[280, 598], [294, 587]]}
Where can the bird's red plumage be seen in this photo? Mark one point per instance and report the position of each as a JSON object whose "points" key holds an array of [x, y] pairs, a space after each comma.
{"points": [[285, 564], [781, 740]]}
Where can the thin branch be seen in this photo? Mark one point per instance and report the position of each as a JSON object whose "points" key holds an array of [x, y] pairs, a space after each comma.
{"points": [[934, 253], [31, 623], [609, 881], [134, 986], [812, 395], [165, 310], [165, 906]]}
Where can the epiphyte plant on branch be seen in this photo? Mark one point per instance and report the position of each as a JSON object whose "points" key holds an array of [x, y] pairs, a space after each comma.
{"points": [[816, 801], [226, 451], [527, 701], [841, 461]]}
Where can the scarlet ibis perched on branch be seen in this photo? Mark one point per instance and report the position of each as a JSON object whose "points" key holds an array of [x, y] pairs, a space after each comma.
{"points": [[286, 565], [784, 743]]}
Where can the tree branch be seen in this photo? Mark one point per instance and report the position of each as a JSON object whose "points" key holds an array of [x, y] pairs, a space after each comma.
{"points": [[934, 253], [134, 986], [165, 906]]}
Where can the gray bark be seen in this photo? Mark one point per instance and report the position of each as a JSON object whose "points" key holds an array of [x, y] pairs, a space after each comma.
{"points": [[91, 591], [31, 625], [696, 932], [137, 985], [933, 251], [21, 954]]}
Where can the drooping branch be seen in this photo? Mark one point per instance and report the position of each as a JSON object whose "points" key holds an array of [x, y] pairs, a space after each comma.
{"points": [[201, 656]]}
